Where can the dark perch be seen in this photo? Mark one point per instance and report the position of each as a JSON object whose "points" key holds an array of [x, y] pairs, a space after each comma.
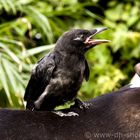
{"points": [[115, 115]]}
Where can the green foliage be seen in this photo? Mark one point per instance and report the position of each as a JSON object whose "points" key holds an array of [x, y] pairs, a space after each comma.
{"points": [[30, 28]]}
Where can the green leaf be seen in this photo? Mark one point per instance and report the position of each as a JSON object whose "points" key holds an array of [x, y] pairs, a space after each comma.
{"points": [[41, 20], [10, 53], [4, 82], [38, 50]]}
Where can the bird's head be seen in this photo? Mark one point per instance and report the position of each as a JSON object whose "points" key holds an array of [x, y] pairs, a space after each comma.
{"points": [[79, 40]]}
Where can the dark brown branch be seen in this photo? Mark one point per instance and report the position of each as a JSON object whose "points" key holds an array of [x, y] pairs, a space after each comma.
{"points": [[113, 116]]}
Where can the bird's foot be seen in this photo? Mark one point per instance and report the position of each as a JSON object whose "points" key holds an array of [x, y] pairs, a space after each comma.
{"points": [[62, 114], [80, 104], [30, 106]]}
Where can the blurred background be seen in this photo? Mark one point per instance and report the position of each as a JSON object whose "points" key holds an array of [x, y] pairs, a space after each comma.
{"points": [[30, 28]]}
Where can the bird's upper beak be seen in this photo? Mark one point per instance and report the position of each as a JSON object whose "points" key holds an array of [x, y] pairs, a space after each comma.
{"points": [[93, 42]]}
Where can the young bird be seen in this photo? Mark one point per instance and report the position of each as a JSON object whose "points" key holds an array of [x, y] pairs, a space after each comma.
{"points": [[57, 77]]}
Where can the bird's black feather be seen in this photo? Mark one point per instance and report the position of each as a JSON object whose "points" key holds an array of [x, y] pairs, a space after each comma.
{"points": [[40, 77]]}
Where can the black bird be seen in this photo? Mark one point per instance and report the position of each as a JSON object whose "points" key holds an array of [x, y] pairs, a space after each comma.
{"points": [[57, 77]]}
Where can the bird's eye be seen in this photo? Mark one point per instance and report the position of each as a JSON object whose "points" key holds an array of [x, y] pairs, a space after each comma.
{"points": [[80, 37]]}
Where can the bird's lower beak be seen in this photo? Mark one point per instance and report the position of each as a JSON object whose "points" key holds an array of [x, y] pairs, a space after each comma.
{"points": [[93, 42]]}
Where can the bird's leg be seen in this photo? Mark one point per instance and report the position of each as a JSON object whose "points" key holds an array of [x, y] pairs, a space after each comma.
{"points": [[30, 105], [55, 83], [80, 104], [41, 98]]}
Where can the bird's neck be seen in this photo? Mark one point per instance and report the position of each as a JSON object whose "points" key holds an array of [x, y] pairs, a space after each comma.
{"points": [[72, 50], [69, 53]]}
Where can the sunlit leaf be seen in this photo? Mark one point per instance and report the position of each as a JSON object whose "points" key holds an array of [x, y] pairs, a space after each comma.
{"points": [[4, 82], [38, 50]]}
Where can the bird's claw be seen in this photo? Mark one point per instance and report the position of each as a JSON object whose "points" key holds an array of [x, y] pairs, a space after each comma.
{"points": [[81, 105], [30, 106], [69, 114], [85, 105]]}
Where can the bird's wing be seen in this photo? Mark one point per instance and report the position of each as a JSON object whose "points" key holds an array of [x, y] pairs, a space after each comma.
{"points": [[86, 72], [40, 77]]}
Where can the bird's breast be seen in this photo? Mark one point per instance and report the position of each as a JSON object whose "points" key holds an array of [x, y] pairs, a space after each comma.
{"points": [[70, 77], [70, 70]]}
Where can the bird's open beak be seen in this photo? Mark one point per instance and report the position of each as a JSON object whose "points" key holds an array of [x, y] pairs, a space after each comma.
{"points": [[93, 42]]}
